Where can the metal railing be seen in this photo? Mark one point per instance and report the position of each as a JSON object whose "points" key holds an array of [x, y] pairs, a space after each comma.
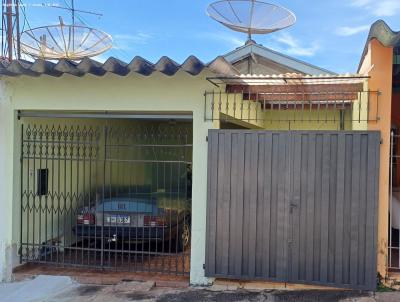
{"points": [[107, 197], [294, 106]]}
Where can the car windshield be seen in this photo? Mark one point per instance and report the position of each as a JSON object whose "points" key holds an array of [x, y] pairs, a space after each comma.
{"points": [[144, 202]]}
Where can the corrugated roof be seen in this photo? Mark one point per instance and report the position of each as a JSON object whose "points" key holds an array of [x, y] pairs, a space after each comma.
{"points": [[384, 34], [165, 65], [292, 63]]}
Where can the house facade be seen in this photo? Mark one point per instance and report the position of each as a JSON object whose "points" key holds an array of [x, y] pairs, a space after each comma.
{"points": [[187, 146]]}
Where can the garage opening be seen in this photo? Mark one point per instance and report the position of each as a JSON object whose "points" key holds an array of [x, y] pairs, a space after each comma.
{"points": [[106, 193]]}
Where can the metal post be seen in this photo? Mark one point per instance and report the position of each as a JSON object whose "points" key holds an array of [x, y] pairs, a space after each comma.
{"points": [[391, 198], [103, 197], [18, 34], [73, 24], [21, 192], [9, 33]]}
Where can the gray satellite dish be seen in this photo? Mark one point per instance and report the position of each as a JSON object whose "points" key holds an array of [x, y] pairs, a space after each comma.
{"points": [[251, 16]]}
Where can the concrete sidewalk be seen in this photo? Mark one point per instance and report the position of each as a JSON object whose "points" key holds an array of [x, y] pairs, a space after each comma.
{"points": [[64, 289]]}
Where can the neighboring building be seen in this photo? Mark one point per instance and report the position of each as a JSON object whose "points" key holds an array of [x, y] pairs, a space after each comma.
{"points": [[253, 58], [380, 62], [98, 160]]}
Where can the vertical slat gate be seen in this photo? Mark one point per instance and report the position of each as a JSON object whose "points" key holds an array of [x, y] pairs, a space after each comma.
{"points": [[293, 206]]}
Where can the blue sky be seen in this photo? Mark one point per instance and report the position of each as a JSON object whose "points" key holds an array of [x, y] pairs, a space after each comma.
{"points": [[330, 34]]}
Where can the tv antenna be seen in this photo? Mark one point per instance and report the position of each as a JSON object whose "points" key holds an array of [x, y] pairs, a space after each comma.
{"points": [[10, 29], [65, 41], [251, 16]]}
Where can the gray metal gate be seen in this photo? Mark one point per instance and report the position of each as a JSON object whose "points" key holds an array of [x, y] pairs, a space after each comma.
{"points": [[295, 206]]}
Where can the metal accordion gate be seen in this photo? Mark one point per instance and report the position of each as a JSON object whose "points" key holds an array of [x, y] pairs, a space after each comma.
{"points": [[293, 206], [107, 196]]}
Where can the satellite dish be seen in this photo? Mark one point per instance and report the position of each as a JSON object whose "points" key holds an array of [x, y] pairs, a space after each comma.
{"points": [[73, 42], [251, 16]]}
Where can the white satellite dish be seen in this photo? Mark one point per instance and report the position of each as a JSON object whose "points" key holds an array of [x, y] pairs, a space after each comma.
{"points": [[65, 41], [251, 16], [73, 42]]}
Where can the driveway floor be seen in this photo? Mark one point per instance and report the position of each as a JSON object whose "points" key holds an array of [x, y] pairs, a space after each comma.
{"points": [[64, 289]]}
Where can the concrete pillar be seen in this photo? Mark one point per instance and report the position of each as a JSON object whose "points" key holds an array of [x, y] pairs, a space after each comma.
{"points": [[199, 199], [6, 183], [378, 64]]}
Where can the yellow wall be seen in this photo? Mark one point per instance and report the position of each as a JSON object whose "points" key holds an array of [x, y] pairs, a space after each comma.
{"points": [[7, 166], [231, 105], [378, 65], [361, 110], [307, 120], [156, 93], [232, 108]]}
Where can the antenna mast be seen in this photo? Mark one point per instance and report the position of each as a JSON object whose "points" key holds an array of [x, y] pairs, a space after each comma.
{"points": [[10, 40]]}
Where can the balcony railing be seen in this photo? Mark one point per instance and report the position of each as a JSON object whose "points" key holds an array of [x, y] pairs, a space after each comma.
{"points": [[262, 108]]}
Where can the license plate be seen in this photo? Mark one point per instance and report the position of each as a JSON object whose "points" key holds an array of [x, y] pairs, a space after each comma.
{"points": [[118, 219]]}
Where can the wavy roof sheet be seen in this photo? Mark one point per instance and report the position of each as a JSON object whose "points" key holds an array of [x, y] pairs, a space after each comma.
{"points": [[165, 65], [384, 34]]}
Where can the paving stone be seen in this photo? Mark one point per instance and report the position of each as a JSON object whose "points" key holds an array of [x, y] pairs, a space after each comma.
{"points": [[388, 297], [260, 286], [63, 289], [172, 283], [134, 286], [222, 288], [365, 299]]}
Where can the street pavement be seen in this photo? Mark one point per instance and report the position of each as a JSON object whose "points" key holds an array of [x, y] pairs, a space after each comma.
{"points": [[64, 289]]}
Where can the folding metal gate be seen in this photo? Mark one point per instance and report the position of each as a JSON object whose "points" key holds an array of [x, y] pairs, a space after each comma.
{"points": [[293, 206], [103, 196]]}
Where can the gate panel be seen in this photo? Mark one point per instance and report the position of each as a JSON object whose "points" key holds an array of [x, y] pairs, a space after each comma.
{"points": [[247, 217], [59, 168], [342, 221], [106, 194], [293, 206]]}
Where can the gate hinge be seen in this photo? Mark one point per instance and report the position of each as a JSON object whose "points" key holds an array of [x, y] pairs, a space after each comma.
{"points": [[381, 141], [204, 266], [206, 138]]}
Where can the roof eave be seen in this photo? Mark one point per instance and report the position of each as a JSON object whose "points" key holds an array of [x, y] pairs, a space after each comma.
{"points": [[384, 34], [285, 60]]}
